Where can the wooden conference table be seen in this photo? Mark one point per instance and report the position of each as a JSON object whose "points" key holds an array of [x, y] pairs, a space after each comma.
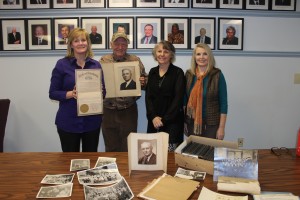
{"points": [[21, 173]]}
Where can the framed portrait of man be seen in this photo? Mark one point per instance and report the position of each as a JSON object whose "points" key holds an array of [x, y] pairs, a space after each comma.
{"points": [[284, 5], [148, 32], [62, 28], [122, 24], [39, 34], [92, 3], [11, 4], [231, 4], [37, 4], [231, 33], [204, 3], [96, 27], [257, 4], [13, 34], [176, 31], [202, 31], [148, 3], [176, 3], [65, 4], [120, 3]]}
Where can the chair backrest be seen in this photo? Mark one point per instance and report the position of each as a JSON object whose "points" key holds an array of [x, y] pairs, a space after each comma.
{"points": [[4, 107]]}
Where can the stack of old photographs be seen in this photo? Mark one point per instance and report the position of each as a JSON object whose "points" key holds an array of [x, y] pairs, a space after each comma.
{"points": [[198, 150]]}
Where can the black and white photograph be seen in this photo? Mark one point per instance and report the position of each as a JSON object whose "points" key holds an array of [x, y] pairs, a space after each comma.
{"points": [[284, 5], [58, 191], [122, 24], [204, 3], [11, 4], [120, 3], [58, 179], [92, 3], [176, 3], [120, 190], [97, 176], [62, 28], [96, 27], [190, 174], [147, 152], [79, 164], [257, 4], [13, 34], [231, 31], [148, 32], [37, 4], [202, 31], [39, 34], [104, 161], [176, 31], [148, 3], [64, 4], [231, 4]]}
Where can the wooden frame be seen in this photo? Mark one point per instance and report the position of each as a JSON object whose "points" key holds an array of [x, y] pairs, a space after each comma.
{"points": [[11, 42], [38, 27], [148, 22], [236, 27], [198, 23]]}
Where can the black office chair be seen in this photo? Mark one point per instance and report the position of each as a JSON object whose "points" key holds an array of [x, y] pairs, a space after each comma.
{"points": [[4, 107]]}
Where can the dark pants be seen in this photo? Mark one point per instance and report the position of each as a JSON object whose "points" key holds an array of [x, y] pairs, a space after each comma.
{"points": [[209, 131], [70, 142], [116, 126]]}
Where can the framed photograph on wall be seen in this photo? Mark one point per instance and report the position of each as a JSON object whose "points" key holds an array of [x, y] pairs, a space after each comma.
{"points": [[204, 3], [257, 4], [148, 31], [176, 3], [11, 4], [39, 34], [148, 3], [122, 24], [97, 31], [13, 33], [284, 5], [62, 28], [64, 3], [231, 33], [37, 4], [176, 31], [120, 3], [202, 31], [92, 3], [231, 4]]}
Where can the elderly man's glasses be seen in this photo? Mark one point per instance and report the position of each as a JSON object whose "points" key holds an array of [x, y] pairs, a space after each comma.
{"points": [[280, 151]]}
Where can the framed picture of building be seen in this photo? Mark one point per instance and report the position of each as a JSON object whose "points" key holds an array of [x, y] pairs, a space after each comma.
{"points": [[39, 34]]}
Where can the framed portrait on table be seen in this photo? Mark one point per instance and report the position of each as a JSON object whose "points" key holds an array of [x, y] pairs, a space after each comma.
{"points": [[231, 33], [62, 28], [231, 4], [39, 34], [204, 3], [284, 5], [92, 3], [176, 3], [176, 31], [120, 3], [37, 4], [148, 32], [257, 4], [202, 31], [11, 4], [64, 3], [122, 24], [148, 3], [97, 31], [13, 34]]}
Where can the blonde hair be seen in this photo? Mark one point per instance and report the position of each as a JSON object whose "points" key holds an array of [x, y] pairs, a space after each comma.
{"points": [[75, 33], [166, 45], [211, 58]]}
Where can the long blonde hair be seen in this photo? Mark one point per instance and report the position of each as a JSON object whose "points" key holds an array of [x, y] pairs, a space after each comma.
{"points": [[75, 33], [211, 58]]}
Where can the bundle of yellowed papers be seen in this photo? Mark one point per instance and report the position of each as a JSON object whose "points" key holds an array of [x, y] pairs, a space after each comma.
{"points": [[167, 187], [239, 185], [207, 194]]}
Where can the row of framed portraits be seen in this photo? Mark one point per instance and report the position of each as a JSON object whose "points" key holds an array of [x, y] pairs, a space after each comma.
{"points": [[48, 34], [289, 5]]}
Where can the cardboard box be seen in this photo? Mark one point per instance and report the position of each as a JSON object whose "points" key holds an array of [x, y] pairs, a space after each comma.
{"points": [[197, 164]]}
